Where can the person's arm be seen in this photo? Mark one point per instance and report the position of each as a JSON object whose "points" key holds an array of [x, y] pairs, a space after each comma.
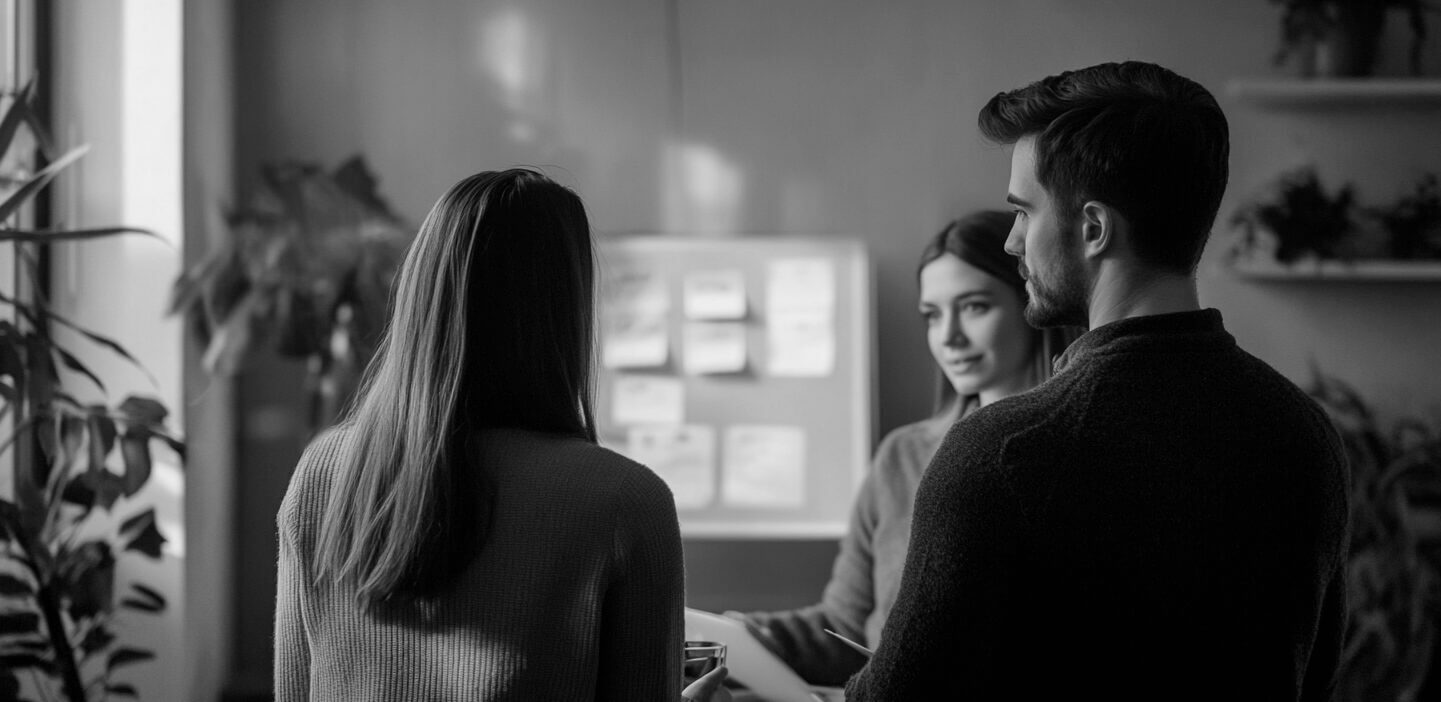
{"points": [[798, 636], [642, 619], [292, 649], [955, 603]]}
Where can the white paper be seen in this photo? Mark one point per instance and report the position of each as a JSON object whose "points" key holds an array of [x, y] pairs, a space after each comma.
{"points": [[801, 285], [764, 466], [636, 291], [641, 399], [715, 294], [683, 456], [800, 343], [634, 340], [714, 347]]}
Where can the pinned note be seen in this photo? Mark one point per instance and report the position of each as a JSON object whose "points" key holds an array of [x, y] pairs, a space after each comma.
{"points": [[683, 456], [714, 294], [800, 343], [642, 399], [635, 306], [763, 466], [801, 285], [634, 340], [714, 347]]}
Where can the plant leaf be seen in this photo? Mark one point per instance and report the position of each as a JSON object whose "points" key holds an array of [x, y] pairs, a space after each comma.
{"points": [[20, 111], [142, 534], [38, 181], [135, 448], [102, 434], [12, 623], [11, 586], [126, 656], [21, 661], [144, 411], [123, 690], [96, 639], [74, 364], [149, 594]]}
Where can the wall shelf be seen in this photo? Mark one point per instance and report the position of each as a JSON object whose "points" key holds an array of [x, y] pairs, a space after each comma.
{"points": [[1335, 91], [1340, 271]]}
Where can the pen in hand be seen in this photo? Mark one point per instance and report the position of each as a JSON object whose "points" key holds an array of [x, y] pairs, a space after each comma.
{"points": [[863, 650]]}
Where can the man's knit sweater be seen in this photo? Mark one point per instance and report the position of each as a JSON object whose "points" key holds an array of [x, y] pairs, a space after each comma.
{"points": [[1163, 519], [577, 593]]}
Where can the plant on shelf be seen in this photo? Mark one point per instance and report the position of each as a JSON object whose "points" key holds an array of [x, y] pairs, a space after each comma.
{"points": [[1393, 583], [1414, 222], [68, 523], [1303, 219], [1341, 37], [306, 270]]}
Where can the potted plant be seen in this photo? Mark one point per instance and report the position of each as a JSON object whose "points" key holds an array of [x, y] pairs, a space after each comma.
{"points": [[1303, 219], [1414, 222], [68, 524], [1393, 583], [307, 271], [1339, 38]]}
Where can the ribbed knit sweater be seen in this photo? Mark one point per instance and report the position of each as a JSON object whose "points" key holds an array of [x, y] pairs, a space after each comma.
{"points": [[867, 572], [1163, 519], [577, 593]]}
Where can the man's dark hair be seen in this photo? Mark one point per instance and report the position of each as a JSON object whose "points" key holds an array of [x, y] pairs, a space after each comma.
{"points": [[1136, 136]]}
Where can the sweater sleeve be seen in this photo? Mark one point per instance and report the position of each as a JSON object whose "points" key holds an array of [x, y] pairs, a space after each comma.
{"points": [[955, 601], [642, 620], [292, 650], [798, 636]]}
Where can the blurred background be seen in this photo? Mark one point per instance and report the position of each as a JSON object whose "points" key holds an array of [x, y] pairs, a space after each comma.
{"points": [[840, 120]]}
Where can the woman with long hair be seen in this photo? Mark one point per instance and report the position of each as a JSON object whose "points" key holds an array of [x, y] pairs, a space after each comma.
{"points": [[460, 535], [972, 299]]}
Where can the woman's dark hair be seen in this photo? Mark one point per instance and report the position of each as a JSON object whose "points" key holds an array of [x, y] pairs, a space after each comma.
{"points": [[491, 326], [1136, 136], [979, 239]]}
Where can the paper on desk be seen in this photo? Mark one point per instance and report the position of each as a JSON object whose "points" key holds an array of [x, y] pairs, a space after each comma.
{"points": [[643, 399], [634, 340], [682, 455], [800, 343], [801, 284], [763, 466], [714, 347], [719, 294]]}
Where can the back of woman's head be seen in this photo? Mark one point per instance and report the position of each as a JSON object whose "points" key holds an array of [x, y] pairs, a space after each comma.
{"points": [[491, 326]]}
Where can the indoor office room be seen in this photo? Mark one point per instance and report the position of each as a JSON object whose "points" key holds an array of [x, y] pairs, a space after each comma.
{"points": [[530, 349]]}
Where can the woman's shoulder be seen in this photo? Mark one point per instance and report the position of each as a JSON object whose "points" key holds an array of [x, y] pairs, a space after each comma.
{"points": [[310, 482], [577, 465]]}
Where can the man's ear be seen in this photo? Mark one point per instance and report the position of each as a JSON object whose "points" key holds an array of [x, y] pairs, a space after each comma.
{"points": [[1102, 228]]}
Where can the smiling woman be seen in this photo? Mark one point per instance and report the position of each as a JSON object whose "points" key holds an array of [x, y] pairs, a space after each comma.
{"points": [[972, 298]]}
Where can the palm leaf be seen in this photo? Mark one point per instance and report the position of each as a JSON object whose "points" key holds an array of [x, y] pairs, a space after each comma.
{"points": [[45, 236], [38, 181]]}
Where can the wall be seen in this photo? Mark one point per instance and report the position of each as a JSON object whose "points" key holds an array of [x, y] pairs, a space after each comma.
{"points": [[817, 117]]}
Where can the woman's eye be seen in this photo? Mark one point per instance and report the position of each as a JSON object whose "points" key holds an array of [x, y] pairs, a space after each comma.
{"points": [[929, 315], [1019, 214], [975, 308]]}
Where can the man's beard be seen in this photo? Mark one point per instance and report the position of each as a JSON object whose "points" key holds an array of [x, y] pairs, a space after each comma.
{"points": [[1062, 304]]}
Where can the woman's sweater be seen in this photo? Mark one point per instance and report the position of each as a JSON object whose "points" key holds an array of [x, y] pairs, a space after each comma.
{"points": [[576, 594], [867, 572]]}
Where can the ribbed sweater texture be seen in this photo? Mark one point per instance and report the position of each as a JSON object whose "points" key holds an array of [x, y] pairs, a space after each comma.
{"points": [[1164, 519], [866, 575], [576, 594]]}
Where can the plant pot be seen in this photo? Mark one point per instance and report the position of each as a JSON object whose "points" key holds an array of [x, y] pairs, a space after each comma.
{"points": [[1349, 48]]}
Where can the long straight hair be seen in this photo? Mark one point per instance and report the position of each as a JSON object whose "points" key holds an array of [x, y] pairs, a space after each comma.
{"points": [[491, 325], [979, 239]]}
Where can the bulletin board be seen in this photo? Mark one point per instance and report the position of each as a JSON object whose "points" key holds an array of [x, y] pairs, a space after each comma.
{"points": [[741, 371]]}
